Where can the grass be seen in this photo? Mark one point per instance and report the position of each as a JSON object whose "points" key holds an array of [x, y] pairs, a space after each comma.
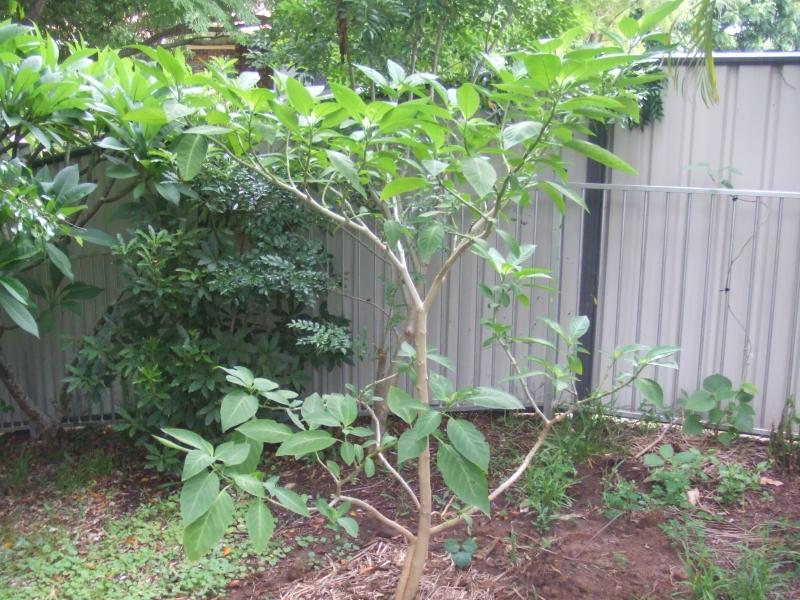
{"points": [[756, 570], [137, 556]]}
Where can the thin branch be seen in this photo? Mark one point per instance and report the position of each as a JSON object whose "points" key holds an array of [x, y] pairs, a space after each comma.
{"points": [[374, 512]]}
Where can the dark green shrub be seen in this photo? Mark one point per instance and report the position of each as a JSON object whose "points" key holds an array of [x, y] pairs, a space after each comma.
{"points": [[236, 274]]}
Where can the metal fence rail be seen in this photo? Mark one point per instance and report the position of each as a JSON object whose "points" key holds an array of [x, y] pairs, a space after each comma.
{"points": [[714, 271]]}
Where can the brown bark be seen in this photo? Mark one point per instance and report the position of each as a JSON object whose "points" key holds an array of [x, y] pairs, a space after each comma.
{"points": [[42, 424]]}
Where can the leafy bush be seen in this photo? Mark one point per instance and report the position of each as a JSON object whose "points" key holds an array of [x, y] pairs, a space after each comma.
{"points": [[673, 473], [727, 409], [232, 275]]}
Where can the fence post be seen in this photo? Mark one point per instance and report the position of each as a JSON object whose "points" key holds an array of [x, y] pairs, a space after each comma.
{"points": [[590, 255]]}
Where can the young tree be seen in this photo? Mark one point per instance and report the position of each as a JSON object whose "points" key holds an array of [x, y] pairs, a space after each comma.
{"points": [[401, 171]]}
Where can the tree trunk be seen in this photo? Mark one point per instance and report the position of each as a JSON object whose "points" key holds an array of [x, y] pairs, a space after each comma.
{"points": [[41, 424], [418, 551]]}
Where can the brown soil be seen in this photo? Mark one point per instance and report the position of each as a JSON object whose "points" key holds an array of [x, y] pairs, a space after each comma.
{"points": [[582, 555]]}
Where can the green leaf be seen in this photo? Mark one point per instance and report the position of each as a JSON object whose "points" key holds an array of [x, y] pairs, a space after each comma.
{"points": [[169, 191], [628, 26], [463, 478], [493, 398], [190, 153], [260, 525], [299, 97], [348, 100], [431, 239], [265, 430], [207, 130], [232, 453], [195, 462], [717, 382], [344, 167], [520, 132], [427, 423], [250, 484], [556, 191], [542, 69], [287, 498], [121, 171], [410, 445], [403, 405], [480, 174], [650, 391], [700, 401], [18, 313], [110, 143], [653, 460], [652, 18], [393, 231], [349, 524], [343, 407], [401, 185], [237, 407], [204, 533], [148, 115], [469, 442], [97, 237], [305, 442], [601, 155], [15, 288], [190, 438], [468, 100], [198, 495], [692, 425]]}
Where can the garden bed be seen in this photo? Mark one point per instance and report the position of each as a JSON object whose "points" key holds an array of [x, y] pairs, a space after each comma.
{"points": [[86, 521]]}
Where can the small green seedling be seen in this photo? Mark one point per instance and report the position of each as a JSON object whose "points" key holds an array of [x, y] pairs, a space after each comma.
{"points": [[461, 552]]}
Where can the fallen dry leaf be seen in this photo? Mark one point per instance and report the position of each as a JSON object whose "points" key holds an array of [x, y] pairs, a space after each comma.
{"points": [[226, 551], [693, 496], [770, 481]]}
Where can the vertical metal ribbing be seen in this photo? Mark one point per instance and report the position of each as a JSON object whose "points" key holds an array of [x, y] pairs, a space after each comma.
{"points": [[620, 265], [457, 330], [793, 333], [554, 306], [768, 356], [709, 242], [514, 305], [602, 286], [481, 273], [747, 351], [664, 234], [640, 295], [726, 292]]}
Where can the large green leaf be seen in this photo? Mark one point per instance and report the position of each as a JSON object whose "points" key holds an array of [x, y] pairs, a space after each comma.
{"points": [[401, 185], [469, 442], [650, 391], [431, 238], [60, 260], [403, 405], [463, 478], [700, 401], [410, 445], [148, 115], [190, 153], [468, 100], [198, 495], [520, 132], [18, 313], [190, 438], [265, 430], [260, 525], [195, 462], [232, 453], [287, 498], [601, 155], [204, 533], [493, 398], [480, 174], [299, 97], [305, 442], [237, 407]]}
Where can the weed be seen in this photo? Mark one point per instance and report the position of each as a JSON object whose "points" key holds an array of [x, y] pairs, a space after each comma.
{"points": [[461, 552], [620, 559], [735, 480], [546, 483], [621, 495], [784, 443], [672, 474]]}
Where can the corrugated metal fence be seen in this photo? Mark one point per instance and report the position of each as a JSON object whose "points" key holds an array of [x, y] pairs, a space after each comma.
{"points": [[715, 271]]}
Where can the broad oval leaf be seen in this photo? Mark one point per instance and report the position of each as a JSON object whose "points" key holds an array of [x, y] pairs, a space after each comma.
{"points": [[190, 438], [650, 391], [700, 401], [469, 442], [488, 397], [190, 152], [195, 462], [204, 533], [410, 445], [430, 240], [232, 453], [520, 132], [601, 155], [305, 442], [198, 495], [463, 478], [480, 174], [237, 407], [403, 405], [265, 430], [18, 313], [468, 100], [260, 525], [402, 185]]}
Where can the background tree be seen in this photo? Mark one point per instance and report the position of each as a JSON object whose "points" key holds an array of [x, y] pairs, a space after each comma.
{"points": [[121, 22]]}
